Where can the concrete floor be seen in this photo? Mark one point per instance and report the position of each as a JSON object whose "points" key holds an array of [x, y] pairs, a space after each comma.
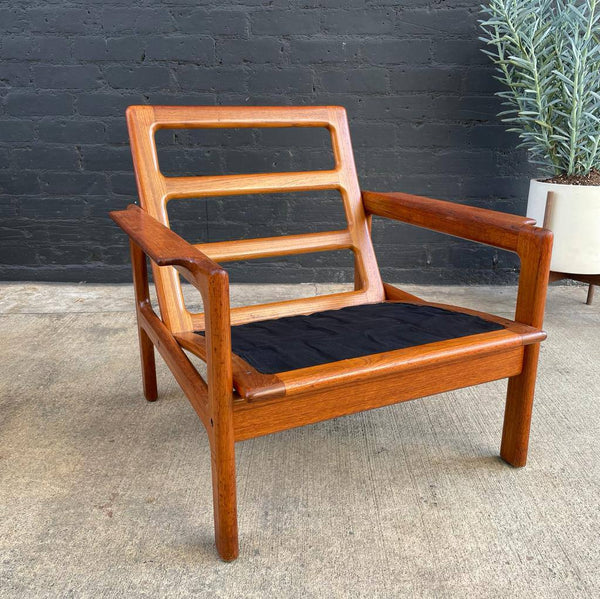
{"points": [[105, 495]]}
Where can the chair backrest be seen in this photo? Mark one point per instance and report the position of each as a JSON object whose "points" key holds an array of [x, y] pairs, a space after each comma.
{"points": [[155, 190]]}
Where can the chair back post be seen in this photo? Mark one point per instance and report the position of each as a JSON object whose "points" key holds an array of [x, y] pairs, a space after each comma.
{"points": [[142, 125]]}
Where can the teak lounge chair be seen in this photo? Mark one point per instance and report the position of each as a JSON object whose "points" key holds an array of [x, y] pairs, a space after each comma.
{"points": [[276, 366]]}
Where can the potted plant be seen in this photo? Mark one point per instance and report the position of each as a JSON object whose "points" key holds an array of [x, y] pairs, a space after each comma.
{"points": [[547, 53]]}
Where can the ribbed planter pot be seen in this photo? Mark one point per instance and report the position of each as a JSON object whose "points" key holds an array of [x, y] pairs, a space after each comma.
{"points": [[573, 214]]}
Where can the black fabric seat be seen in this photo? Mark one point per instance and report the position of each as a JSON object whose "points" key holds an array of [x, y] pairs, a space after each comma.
{"points": [[293, 342]]}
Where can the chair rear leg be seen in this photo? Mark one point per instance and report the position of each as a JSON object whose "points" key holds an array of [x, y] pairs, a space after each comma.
{"points": [[148, 365], [142, 296], [519, 405], [224, 498]]}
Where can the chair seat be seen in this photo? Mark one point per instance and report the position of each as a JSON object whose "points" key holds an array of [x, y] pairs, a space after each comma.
{"points": [[294, 342], [273, 358]]}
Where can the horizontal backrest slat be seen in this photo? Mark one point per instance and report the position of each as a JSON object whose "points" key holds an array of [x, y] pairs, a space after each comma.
{"points": [[175, 117], [220, 185], [264, 247], [305, 305]]}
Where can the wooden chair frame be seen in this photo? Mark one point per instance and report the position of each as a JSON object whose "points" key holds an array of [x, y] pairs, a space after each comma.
{"points": [[262, 403]]}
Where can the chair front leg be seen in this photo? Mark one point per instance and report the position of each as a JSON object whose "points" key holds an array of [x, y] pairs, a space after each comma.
{"points": [[142, 297], [224, 495], [519, 407], [220, 391], [535, 250]]}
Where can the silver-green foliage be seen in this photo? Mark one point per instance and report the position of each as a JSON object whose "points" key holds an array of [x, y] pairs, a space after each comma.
{"points": [[548, 55]]}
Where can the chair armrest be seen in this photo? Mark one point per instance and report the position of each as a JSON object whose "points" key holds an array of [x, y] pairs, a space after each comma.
{"points": [[477, 224], [506, 231], [148, 237], [165, 247]]}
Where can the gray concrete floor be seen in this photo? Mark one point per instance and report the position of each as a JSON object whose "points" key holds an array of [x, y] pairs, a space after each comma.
{"points": [[105, 495]]}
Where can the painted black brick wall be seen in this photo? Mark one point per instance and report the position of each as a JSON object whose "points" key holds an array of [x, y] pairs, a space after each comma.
{"points": [[418, 91]]}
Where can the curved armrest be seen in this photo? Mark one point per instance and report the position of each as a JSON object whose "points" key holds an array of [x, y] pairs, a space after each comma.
{"points": [[165, 247], [477, 224], [506, 231], [149, 237]]}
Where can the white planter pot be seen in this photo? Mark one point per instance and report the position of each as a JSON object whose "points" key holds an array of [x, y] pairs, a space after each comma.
{"points": [[574, 217]]}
